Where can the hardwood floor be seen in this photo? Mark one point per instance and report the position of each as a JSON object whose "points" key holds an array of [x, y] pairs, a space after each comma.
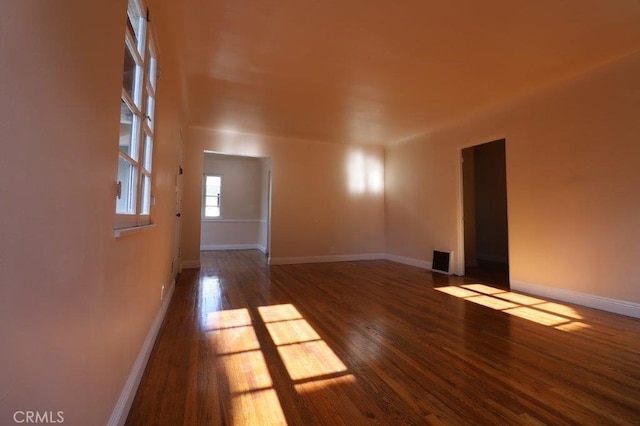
{"points": [[374, 342]]}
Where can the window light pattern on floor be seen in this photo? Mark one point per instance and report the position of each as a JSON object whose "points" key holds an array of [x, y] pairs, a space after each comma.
{"points": [[239, 357], [309, 361], [534, 309], [304, 354]]}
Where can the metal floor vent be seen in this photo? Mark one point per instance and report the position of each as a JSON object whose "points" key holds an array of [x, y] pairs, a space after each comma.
{"points": [[441, 262]]}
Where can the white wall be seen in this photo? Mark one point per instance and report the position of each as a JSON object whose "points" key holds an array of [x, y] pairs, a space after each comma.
{"points": [[76, 304]]}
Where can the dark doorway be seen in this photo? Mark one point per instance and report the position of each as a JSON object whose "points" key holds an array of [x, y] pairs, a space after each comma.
{"points": [[486, 237]]}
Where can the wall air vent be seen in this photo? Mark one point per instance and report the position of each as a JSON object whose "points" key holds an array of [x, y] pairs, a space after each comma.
{"points": [[441, 262]]}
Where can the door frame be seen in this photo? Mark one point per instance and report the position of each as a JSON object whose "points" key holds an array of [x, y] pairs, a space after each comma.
{"points": [[269, 188], [179, 200]]}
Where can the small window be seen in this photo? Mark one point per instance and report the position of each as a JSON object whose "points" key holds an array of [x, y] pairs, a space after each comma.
{"points": [[212, 196]]}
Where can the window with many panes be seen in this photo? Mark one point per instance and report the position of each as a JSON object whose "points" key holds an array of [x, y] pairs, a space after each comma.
{"points": [[212, 194], [133, 202]]}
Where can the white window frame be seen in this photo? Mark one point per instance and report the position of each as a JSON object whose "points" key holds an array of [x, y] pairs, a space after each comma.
{"points": [[204, 196], [134, 181]]}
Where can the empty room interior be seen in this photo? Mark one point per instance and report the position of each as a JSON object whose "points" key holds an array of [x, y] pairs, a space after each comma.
{"points": [[320, 212]]}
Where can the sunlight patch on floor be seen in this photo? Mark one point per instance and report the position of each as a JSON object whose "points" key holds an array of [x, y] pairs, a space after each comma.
{"points": [[240, 361], [536, 316], [304, 354], [552, 314], [257, 408], [279, 313], [457, 291], [294, 331], [310, 359], [246, 371], [227, 319], [481, 288], [559, 309], [491, 302], [520, 299], [235, 339], [573, 326]]}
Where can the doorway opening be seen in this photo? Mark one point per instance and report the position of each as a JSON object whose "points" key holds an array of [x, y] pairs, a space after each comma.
{"points": [[484, 196], [235, 203]]}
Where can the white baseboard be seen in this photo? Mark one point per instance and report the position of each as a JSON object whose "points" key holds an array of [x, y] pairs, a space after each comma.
{"points": [[208, 247], [190, 264], [325, 259], [585, 299], [121, 410], [409, 261]]}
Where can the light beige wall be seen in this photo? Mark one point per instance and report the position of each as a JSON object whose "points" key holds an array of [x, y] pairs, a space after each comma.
{"points": [[229, 234], [313, 207], [572, 183], [75, 303]]}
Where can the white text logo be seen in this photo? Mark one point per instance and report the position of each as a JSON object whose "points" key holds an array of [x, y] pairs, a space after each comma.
{"points": [[41, 417]]}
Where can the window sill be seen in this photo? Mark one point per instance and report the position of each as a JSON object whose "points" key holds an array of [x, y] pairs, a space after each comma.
{"points": [[123, 232]]}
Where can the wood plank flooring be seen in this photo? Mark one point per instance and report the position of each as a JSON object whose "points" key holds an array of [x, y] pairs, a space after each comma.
{"points": [[376, 342]]}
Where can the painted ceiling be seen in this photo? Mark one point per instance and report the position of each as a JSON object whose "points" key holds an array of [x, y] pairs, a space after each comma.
{"points": [[381, 71]]}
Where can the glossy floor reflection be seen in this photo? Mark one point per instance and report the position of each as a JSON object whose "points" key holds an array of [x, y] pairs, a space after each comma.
{"points": [[376, 342]]}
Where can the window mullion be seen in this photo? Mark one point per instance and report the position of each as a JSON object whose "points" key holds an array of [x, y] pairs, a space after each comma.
{"points": [[131, 45], [140, 153], [128, 159], [130, 103]]}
